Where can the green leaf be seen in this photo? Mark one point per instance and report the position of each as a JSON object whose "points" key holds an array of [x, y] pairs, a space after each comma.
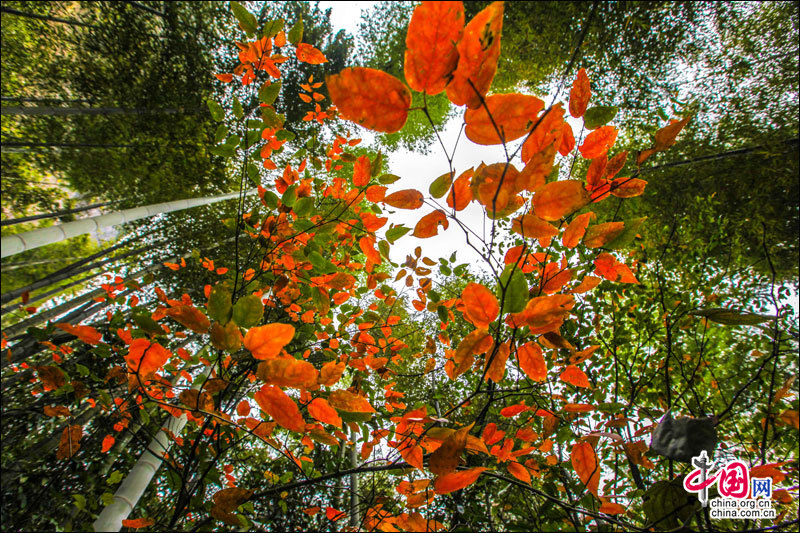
{"points": [[221, 133], [290, 196], [271, 199], [267, 94], [80, 501], [441, 185], [376, 164], [248, 311], [247, 21], [107, 499], [303, 207], [271, 118], [624, 239], [146, 323], [238, 112], [599, 115], [395, 233], [253, 174], [442, 312], [217, 113], [82, 370], [219, 304], [285, 135], [115, 477], [387, 179], [273, 27], [223, 150], [296, 33], [667, 504], [516, 289], [731, 317], [383, 248]]}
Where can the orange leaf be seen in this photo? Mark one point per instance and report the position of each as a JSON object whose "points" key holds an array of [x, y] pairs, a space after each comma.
{"points": [[574, 376], [281, 407], [532, 227], [361, 171], [405, 199], [584, 461], [557, 199], [665, 137], [601, 234], [226, 78], [457, 480], [480, 305], [545, 140], [576, 229], [243, 408], [347, 401], [495, 187], [588, 283], [371, 98], [189, 317], [446, 457], [627, 187], [87, 334], [478, 52], [578, 407], [567, 139], [579, 94], [612, 508], [334, 514], [532, 362], [58, 410], [108, 442], [513, 410], [308, 54], [497, 369], [512, 115], [519, 472], [287, 373], [311, 511], [366, 246], [138, 523], [70, 442], [375, 193], [428, 226], [330, 373], [321, 410], [227, 500], [544, 313], [266, 342], [607, 266], [144, 358], [598, 142], [476, 342], [460, 195], [431, 53], [615, 164]]}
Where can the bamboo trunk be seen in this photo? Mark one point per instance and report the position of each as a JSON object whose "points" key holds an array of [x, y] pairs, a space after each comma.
{"points": [[55, 214], [14, 244], [137, 480]]}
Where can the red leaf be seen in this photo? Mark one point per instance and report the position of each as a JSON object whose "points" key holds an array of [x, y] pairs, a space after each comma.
{"points": [[108, 442], [138, 523]]}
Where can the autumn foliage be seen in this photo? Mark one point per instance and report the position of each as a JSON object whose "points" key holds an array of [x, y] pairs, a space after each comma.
{"points": [[296, 365]]}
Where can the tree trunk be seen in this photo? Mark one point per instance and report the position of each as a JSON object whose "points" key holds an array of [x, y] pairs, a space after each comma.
{"points": [[66, 274], [12, 221], [63, 111], [14, 244], [355, 518], [68, 271], [45, 100], [137, 480]]}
